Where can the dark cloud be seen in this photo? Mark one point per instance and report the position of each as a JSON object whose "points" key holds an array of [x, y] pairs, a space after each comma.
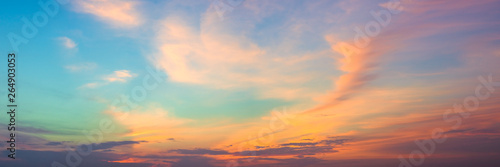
{"points": [[111, 144], [193, 161], [107, 150], [467, 145], [200, 151], [297, 162], [494, 129], [299, 144], [458, 131], [298, 148], [54, 143], [188, 160], [289, 151], [30, 158], [27, 137], [33, 130], [335, 141], [274, 162], [487, 160]]}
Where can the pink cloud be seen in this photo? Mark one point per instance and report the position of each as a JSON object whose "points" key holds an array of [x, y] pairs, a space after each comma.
{"points": [[114, 12]]}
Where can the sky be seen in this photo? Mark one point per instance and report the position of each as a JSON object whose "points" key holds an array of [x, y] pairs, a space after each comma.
{"points": [[349, 83]]}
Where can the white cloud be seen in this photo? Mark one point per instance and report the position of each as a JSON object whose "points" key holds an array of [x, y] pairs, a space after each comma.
{"points": [[91, 85], [67, 42], [117, 76], [81, 67]]}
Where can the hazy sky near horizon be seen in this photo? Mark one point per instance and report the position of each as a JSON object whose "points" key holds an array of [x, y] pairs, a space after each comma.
{"points": [[255, 82]]}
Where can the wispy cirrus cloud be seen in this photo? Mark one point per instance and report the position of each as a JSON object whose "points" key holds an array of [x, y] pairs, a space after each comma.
{"points": [[67, 42], [212, 55], [81, 67], [117, 76], [114, 12]]}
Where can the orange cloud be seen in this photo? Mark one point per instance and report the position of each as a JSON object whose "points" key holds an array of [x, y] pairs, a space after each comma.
{"points": [[217, 58], [119, 76], [114, 12]]}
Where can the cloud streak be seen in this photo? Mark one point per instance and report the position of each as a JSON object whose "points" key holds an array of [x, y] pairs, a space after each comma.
{"points": [[67, 42], [117, 13], [121, 76]]}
